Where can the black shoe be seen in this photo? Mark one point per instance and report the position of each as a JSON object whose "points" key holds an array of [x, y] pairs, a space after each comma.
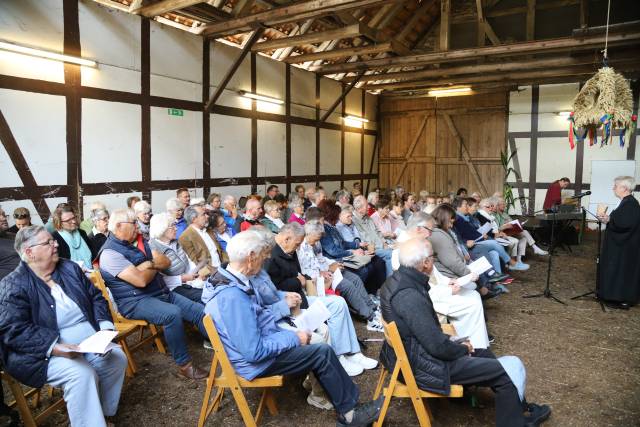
{"points": [[491, 294], [492, 339], [617, 305], [363, 414], [537, 415], [498, 277]]}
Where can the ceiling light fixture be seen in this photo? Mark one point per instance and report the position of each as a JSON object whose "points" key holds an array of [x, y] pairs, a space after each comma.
{"points": [[564, 114], [257, 97], [450, 91], [356, 119], [11, 47]]}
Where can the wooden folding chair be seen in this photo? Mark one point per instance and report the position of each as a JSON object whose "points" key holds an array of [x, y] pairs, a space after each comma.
{"points": [[127, 327], [21, 402], [228, 379], [409, 389]]}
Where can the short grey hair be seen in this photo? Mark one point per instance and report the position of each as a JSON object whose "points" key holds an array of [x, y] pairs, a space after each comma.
{"points": [[371, 197], [141, 207], [97, 205], [96, 214], [343, 193], [159, 224], [360, 201], [292, 228], [419, 219], [312, 228], [413, 252], [265, 234], [346, 208], [227, 199], [173, 205], [197, 201], [625, 181], [486, 202], [295, 202], [25, 236], [120, 215], [191, 213], [244, 244]]}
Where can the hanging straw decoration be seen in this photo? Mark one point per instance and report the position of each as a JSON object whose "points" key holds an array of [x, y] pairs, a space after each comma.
{"points": [[605, 102]]}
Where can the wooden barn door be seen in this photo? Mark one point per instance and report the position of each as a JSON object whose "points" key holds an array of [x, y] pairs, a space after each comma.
{"points": [[440, 145]]}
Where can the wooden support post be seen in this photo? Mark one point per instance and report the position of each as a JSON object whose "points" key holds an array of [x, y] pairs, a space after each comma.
{"points": [[584, 13], [341, 98], [481, 30], [531, 19], [465, 153], [232, 70], [412, 147], [445, 24]]}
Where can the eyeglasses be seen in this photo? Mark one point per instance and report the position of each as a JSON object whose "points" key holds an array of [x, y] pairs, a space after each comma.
{"points": [[73, 218], [129, 222], [105, 218], [21, 216], [49, 242], [427, 228]]}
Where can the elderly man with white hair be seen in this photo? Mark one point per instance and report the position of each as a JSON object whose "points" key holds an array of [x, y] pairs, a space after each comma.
{"points": [[143, 216], [175, 208], [252, 213], [198, 241], [257, 347], [619, 267], [100, 230], [132, 276], [86, 225], [436, 360], [231, 216]]}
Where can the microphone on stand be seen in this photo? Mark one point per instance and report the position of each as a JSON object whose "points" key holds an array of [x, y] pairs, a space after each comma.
{"points": [[581, 195]]}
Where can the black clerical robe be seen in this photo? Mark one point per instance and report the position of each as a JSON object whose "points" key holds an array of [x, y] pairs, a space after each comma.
{"points": [[620, 258]]}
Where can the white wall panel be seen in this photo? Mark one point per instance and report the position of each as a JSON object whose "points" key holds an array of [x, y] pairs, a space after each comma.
{"points": [[112, 201], [230, 146], [159, 198], [520, 110], [270, 80], [35, 24], [271, 148], [557, 97], [303, 150], [40, 134], [110, 141], [330, 90], [9, 176], [608, 152], [352, 149], [176, 145], [178, 55], [370, 106], [113, 38], [555, 160], [303, 87], [222, 58], [329, 152], [553, 122], [303, 111], [237, 190], [330, 187], [170, 87], [523, 148], [354, 103]]}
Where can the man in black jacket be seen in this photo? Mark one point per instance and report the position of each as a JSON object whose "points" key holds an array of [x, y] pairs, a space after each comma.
{"points": [[436, 361]]}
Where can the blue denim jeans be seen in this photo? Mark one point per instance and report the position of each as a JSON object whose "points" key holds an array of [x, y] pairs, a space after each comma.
{"points": [[488, 252], [170, 311], [385, 254]]}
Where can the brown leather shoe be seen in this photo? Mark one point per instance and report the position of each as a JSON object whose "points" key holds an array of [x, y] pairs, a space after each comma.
{"points": [[192, 372]]}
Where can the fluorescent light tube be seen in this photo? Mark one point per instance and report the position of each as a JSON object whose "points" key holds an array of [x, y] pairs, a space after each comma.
{"points": [[257, 97], [451, 91], [11, 47]]}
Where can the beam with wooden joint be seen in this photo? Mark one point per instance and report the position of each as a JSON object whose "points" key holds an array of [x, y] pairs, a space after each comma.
{"points": [[543, 46], [531, 19], [412, 147], [281, 54], [22, 167], [234, 67], [465, 154], [287, 13], [417, 14], [315, 37], [340, 99], [445, 24], [163, 6], [341, 53]]}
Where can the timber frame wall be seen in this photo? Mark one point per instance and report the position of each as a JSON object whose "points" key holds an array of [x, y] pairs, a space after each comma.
{"points": [[74, 92]]}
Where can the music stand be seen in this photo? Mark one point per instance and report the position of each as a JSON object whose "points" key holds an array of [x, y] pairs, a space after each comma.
{"points": [[595, 292], [547, 291]]}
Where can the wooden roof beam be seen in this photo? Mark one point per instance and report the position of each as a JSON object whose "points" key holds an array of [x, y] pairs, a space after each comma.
{"points": [[445, 24], [522, 48], [242, 7], [316, 37], [341, 53], [163, 6], [531, 19], [287, 13]]}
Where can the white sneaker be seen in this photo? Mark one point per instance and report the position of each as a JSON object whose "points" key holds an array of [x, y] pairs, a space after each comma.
{"points": [[319, 402], [539, 251], [375, 325], [353, 369], [362, 360], [306, 384]]}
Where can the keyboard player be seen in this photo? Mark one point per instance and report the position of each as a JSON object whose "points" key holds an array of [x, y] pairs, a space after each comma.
{"points": [[554, 193]]}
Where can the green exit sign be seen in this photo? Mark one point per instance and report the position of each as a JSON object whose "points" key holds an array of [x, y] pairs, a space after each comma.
{"points": [[175, 112]]}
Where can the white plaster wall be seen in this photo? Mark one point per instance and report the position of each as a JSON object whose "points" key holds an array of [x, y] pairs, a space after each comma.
{"points": [[352, 149], [303, 150], [271, 149], [112, 201], [329, 151], [230, 146], [38, 125], [176, 145]]}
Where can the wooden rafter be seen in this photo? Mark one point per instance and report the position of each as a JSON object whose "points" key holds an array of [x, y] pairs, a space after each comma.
{"points": [[232, 70], [523, 48], [164, 6], [341, 53], [281, 54], [531, 19], [445, 24], [315, 37], [287, 13], [465, 153], [242, 7], [22, 167]]}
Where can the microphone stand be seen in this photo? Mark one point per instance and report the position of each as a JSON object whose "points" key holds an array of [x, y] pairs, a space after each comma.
{"points": [[547, 291], [597, 290]]}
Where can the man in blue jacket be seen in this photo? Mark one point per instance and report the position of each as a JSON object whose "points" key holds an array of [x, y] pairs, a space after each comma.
{"points": [[257, 347]]}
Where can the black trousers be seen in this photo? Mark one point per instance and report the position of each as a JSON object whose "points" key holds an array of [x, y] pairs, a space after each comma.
{"points": [[484, 370], [322, 360]]}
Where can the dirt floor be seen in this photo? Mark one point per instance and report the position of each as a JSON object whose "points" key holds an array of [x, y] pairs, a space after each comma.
{"points": [[583, 362]]}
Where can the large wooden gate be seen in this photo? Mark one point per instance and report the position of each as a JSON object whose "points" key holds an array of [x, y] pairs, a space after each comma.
{"points": [[442, 144]]}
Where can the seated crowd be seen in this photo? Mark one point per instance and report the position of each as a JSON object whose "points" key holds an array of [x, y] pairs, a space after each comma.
{"points": [[254, 265]]}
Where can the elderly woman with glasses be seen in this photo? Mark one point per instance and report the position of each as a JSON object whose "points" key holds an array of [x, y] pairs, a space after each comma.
{"points": [[100, 230], [175, 208], [47, 307], [271, 219], [73, 243], [143, 216], [183, 276]]}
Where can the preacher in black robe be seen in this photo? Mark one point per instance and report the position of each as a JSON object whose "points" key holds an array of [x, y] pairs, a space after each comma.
{"points": [[620, 258]]}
